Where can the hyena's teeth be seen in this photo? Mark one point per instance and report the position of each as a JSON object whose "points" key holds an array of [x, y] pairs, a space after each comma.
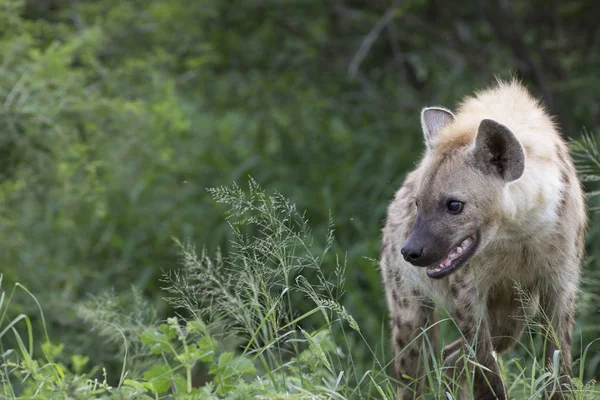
{"points": [[454, 254], [466, 243]]}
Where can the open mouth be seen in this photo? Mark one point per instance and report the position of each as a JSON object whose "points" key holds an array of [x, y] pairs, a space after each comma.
{"points": [[458, 256]]}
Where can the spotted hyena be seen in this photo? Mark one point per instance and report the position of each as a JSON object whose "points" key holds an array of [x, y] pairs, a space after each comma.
{"points": [[493, 212]]}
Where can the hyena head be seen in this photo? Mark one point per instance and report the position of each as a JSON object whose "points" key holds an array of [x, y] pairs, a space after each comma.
{"points": [[459, 196]]}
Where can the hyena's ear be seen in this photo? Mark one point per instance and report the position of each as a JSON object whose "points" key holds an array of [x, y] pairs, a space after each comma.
{"points": [[497, 151], [433, 120]]}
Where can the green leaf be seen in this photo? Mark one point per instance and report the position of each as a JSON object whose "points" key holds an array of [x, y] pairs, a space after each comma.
{"points": [[159, 377], [52, 351], [79, 362], [136, 385], [180, 383], [169, 330], [241, 366], [158, 341], [229, 366], [206, 348]]}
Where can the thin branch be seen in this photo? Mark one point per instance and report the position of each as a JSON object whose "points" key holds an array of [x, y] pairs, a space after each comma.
{"points": [[400, 59], [369, 40]]}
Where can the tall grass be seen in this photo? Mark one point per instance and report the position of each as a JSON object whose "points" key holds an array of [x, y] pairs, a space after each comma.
{"points": [[250, 298], [241, 330]]}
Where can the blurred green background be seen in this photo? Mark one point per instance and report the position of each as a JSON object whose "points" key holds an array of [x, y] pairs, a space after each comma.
{"points": [[117, 115]]}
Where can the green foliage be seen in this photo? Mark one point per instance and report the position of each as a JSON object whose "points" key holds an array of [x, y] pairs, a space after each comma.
{"points": [[249, 296], [264, 352], [116, 115], [587, 158]]}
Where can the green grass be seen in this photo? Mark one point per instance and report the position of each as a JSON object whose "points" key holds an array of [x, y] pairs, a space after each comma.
{"points": [[239, 334]]}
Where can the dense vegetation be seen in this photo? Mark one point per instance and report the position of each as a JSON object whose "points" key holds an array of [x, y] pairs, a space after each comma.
{"points": [[117, 116]]}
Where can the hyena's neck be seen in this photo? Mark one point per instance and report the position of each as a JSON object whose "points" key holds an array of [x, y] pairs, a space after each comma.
{"points": [[529, 205]]}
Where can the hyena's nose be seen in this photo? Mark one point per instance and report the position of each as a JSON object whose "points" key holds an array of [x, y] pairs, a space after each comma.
{"points": [[411, 253]]}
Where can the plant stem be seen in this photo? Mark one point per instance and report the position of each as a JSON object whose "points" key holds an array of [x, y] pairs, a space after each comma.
{"points": [[188, 371]]}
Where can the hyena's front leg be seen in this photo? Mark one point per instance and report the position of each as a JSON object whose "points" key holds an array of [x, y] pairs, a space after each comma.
{"points": [[472, 321], [451, 352], [409, 313], [558, 306]]}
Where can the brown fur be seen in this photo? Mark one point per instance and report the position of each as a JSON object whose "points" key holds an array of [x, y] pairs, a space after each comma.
{"points": [[530, 221]]}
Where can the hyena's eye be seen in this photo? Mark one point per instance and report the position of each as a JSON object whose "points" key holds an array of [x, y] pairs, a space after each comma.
{"points": [[455, 206]]}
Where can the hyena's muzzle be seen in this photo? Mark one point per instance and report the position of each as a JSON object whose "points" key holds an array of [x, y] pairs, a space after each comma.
{"points": [[425, 248]]}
